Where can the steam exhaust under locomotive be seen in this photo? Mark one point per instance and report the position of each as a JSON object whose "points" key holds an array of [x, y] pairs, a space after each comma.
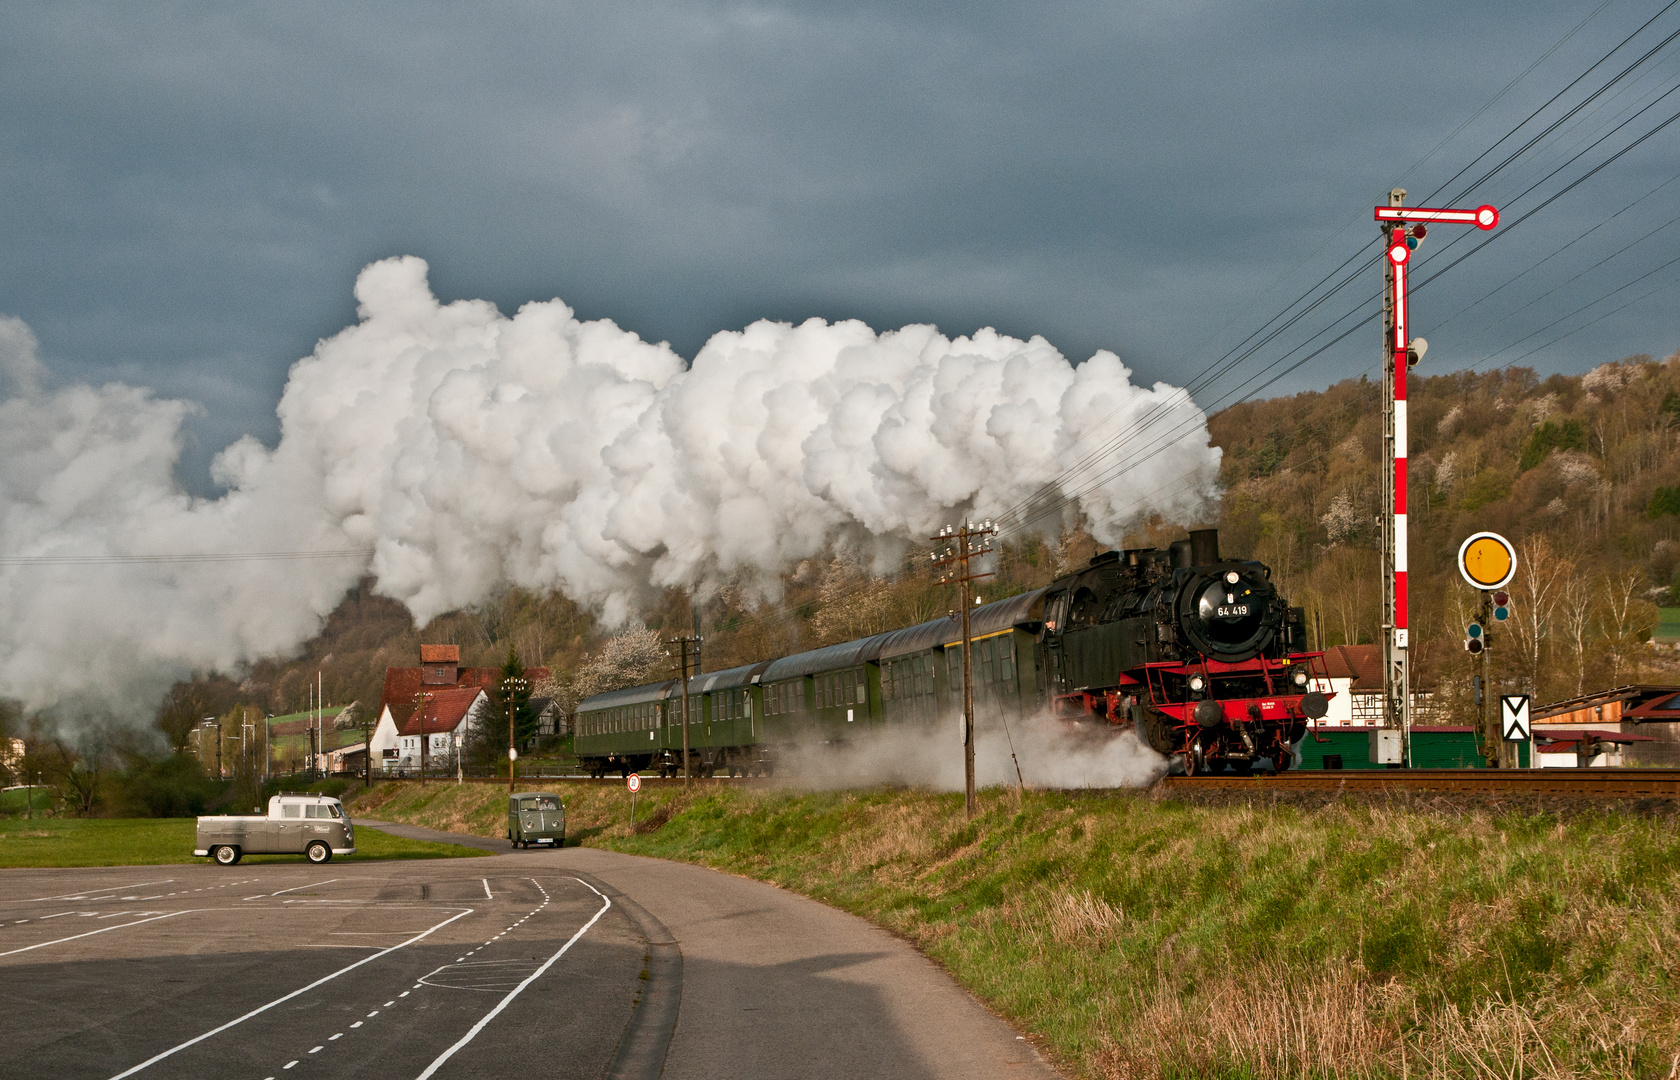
{"points": [[1198, 653]]}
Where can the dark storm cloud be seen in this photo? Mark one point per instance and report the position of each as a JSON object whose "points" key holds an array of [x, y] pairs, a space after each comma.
{"points": [[190, 189]]}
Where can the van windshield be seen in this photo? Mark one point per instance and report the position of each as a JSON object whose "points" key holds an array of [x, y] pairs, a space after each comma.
{"points": [[545, 802]]}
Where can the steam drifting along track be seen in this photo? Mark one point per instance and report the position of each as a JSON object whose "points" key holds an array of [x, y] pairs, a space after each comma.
{"points": [[1585, 783]]}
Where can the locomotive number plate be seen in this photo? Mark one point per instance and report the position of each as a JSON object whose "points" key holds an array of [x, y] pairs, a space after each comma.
{"points": [[1232, 611]]}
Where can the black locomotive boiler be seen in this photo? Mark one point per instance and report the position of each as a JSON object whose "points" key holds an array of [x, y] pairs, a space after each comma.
{"points": [[1198, 654]]}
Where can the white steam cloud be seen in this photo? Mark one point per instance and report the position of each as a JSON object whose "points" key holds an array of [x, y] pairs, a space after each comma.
{"points": [[1049, 752], [467, 450]]}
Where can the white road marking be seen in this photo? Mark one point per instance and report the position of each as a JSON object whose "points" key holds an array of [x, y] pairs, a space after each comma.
{"points": [[90, 933], [288, 1064], [154, 1059], [88, 894], [515, 992], [357, 1024], [294, 888], [487, 895], [317, 1050]]}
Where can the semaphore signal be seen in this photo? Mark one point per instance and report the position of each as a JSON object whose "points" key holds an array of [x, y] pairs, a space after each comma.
{"points": [[1403, 227]]}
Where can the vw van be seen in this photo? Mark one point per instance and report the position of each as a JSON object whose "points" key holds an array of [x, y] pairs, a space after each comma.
{"points": [[535, 817]]}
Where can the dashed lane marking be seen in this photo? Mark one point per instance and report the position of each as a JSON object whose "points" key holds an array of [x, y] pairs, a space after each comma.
{"points": [[155, 1058], [88, 894], [516, 991], [90, 933]]}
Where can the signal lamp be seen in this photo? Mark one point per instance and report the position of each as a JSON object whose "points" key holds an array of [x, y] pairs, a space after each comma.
{"points": [[1411, 243], [1501, 599], [1197, 684], [1230, 577], [1474, 645], [1420, 230], [1502, 613], [1474, 630], [1300, 676]]}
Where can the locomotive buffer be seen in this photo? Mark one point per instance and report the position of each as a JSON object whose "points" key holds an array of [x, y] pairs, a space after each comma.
{"points": [[1402, 228]]}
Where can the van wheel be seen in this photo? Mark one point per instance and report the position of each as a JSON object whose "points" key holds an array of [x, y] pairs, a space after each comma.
{"points": [[317, 851], [226, 855]]}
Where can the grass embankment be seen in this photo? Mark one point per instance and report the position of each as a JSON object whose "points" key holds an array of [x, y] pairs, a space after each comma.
{"points": [[1144, 938], [155, 841]]}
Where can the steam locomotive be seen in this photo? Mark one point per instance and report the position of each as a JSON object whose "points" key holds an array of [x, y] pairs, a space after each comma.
{"points": [[1198, 654]]}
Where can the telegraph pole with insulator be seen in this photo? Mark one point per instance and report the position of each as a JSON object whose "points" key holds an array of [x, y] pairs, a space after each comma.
{"points": [[682, 644], [956, 547], [1402, 229]]}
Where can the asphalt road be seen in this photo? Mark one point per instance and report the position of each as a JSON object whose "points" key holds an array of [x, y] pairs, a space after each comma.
{"points": [[570, 963]]}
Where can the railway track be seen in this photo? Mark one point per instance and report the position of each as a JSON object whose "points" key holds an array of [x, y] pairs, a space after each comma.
{"points": [[1585, 783]]}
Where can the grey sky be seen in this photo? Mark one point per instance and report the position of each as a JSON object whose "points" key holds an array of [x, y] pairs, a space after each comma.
{"points": [[190, 189]]}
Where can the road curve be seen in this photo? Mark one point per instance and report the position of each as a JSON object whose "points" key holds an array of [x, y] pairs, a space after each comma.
{"points": [[775, 985]]}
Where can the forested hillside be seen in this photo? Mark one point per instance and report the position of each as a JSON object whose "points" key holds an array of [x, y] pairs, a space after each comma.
{"points": [[1582, 472]]}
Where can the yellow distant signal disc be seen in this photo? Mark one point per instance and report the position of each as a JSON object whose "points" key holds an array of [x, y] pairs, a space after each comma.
{"points": [[1487, 560]]}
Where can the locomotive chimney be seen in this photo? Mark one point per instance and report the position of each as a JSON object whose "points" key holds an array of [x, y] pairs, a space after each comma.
{"points": [[1179, 552], [1204, 547]]}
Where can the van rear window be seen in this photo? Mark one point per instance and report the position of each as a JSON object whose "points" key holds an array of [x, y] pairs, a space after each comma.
{"points": [[291, 810]]}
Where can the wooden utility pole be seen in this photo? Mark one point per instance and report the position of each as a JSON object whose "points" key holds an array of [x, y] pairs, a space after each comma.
{"points": [[511, 687], [956, 546], [682, 644], [420, 697]]}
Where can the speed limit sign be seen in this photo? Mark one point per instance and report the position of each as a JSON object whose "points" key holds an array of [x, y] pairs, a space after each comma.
{"points": [[634, 783]]}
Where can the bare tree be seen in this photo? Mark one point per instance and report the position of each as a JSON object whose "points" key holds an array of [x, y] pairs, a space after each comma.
{"points": [[75, 768], [1576, 605], [1540, 574], [1625, 616]]}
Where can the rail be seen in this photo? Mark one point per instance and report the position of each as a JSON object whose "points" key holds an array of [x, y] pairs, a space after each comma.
{"points": [[1592, 783]]}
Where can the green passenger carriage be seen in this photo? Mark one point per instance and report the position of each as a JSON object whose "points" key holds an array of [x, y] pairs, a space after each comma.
{"points": [[741, 717]]}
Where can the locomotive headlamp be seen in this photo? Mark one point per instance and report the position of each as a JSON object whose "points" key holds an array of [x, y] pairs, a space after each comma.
{"points": [[1300, 676], [1231, 577], [1197, 683]]}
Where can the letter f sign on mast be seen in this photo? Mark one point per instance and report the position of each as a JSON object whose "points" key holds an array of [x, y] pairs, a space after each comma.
{"points": [[1402, 228]]}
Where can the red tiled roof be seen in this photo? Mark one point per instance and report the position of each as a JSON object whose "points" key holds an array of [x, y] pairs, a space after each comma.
{"points": [[402, 683], [445, 709], [1361, 663], [440, 654]]}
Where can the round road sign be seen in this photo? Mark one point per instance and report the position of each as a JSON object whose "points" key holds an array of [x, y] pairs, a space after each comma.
{"points": [[634, 783], [1487, 561]]}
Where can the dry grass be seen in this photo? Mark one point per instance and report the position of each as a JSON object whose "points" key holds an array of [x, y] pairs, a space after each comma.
{"points": [[1148, 939]]}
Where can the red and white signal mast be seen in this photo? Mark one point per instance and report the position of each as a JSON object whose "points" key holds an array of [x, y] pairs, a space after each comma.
{"points": [[1402, 228]]}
